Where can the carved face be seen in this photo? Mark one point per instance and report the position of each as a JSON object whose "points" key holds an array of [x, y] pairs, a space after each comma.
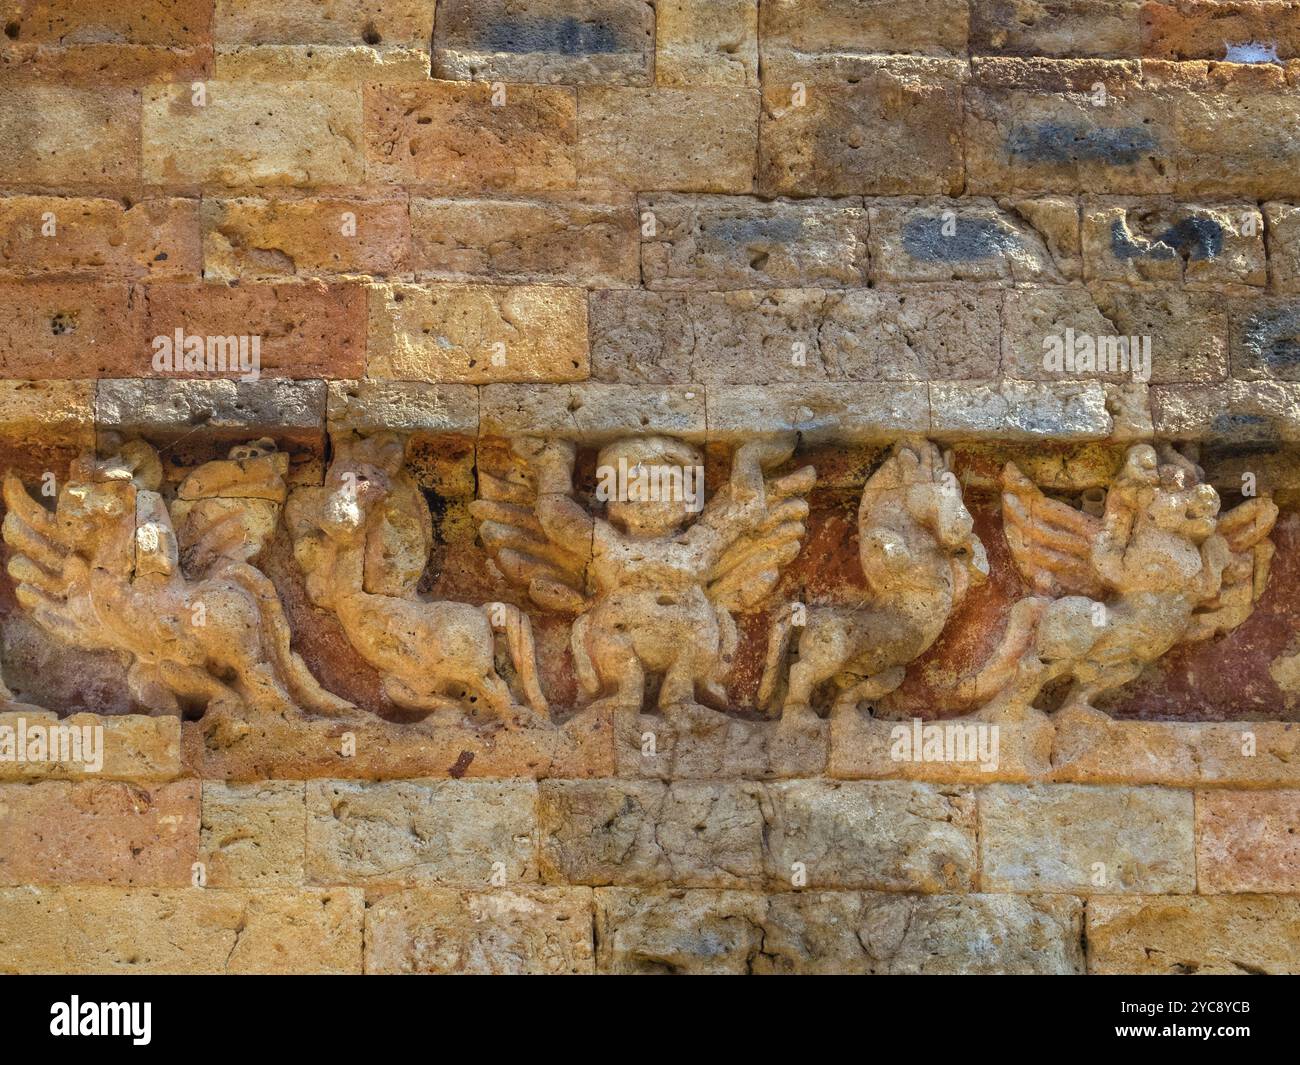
{"points": [[1191, 513], [631, 466], [938, 506], [1141, 466], [353, 492]]}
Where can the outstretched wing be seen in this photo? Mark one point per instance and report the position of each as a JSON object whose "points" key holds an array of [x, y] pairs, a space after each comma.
{"points": [[553, 574], [1245, 529], [42, 562], [1050, 541], [751, 566]]}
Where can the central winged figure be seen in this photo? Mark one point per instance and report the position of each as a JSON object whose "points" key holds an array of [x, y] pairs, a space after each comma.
{"points": [[1159, 566], [654, 593]]}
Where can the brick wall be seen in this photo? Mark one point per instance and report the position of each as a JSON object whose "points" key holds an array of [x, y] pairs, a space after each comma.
{"points": [[720, 220]]}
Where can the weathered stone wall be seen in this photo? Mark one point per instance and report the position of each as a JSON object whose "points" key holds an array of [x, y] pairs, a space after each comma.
{"points": [[818, 227]]}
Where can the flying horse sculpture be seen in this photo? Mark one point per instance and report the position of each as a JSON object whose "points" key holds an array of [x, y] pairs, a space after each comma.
{"points": [[919, 555], [363, 541], [199, 627]]}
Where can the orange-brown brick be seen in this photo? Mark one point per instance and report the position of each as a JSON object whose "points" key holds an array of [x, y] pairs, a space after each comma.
{"points": [[95, 43], [1207, 29], [309, 330], [1248, 841], [54, 329], [448, 135], [99, 238], [98, 832], [252, 236]]}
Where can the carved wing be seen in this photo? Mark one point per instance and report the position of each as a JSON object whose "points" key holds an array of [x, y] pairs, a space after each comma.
{"points": [[554, 574], [1049, 540], [43, 564], [1245, 530], [751, 566]]}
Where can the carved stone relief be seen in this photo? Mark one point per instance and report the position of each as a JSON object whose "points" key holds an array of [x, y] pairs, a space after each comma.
{"points": [[650, 583]]}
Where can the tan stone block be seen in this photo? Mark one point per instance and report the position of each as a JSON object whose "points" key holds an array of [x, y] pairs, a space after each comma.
{"points": [[375, 23], [61, 329], [1248, 841], [1189, 328], [611, 43], [123, 65], [706, 42], [540, 931], [1086, 840], [1263, 337], [1283, 221], [927, 27], [972, 240], [477, 334], [1252, 754], [311, 329], [60, 137], [449, 135], [819, 412], [253, 835], [881, 129], [640, 337], [672, 140], [400, 832], [725, 242], [701, 744], [869, 748], [1224, 935], [1035, 126], [809, 932], [1150, 240], [402, 406], [592, 412], [43, 426], [1262, 411], [355, 65], [582, 240], [308, 40], [601, 832], [71, 41], [295, 750], [879, 835], [1186, 333], [98, 832], [246, 135], [187, 930], [165, 23], [1056, 28], [788, 336], [253, 237], [134, 748], [1020, 410], [1221, 29], [293, 412], [687, 932], [1235, 131], [56, 236]]}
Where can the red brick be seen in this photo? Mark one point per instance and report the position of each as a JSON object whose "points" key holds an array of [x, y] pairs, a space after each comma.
{"points": [[99, 238], [308, 330], [55, 329]]}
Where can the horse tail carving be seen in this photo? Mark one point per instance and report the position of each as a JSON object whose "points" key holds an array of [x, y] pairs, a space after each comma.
{"points": [[523, 652], [778, 647], [304, 688]]}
